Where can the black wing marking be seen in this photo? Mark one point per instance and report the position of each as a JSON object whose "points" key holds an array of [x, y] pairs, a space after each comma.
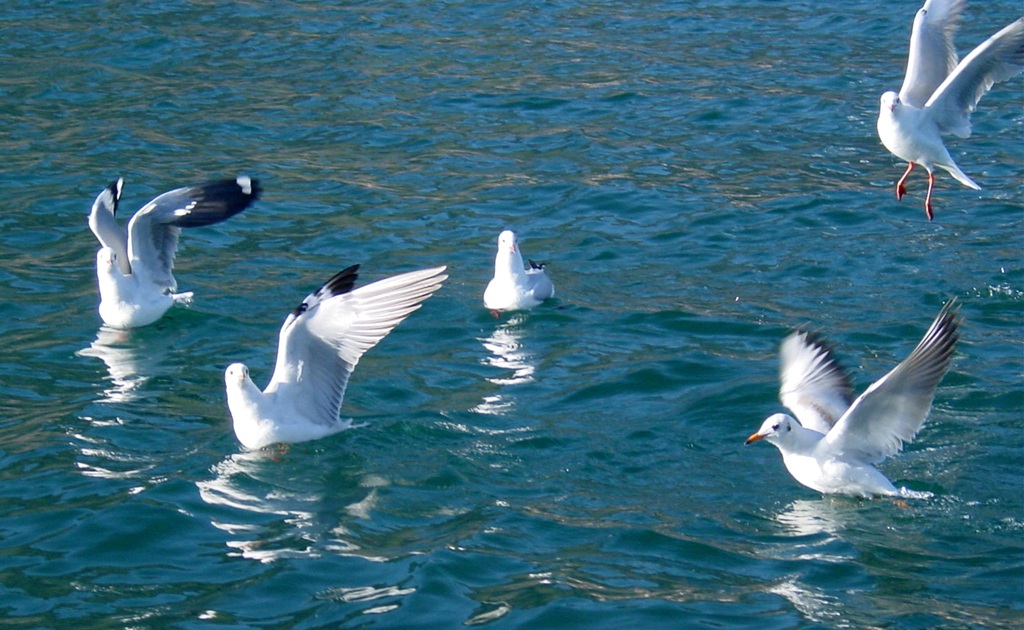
{"points": [[339, 283]]}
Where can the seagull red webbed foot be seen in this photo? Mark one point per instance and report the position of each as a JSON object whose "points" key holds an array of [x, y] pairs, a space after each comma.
{"points": [[900, 188]]}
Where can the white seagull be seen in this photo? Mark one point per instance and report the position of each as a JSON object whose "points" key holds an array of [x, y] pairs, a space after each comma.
{"points": [[938, 94], [319, 345], [514, 288], [833, 443], [134, 266]]}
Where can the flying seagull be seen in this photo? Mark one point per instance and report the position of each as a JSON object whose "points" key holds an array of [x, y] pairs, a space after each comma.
{"points": [[939, 94]]}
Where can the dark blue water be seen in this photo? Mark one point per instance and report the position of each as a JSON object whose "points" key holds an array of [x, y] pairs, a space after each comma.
{"points": [[700, 177]]}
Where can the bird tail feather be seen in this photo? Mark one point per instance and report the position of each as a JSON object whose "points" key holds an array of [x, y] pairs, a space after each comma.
{"points": [[959, 175]]}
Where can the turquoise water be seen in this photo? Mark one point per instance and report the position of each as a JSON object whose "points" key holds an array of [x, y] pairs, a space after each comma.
{"points": [[699, 176]]}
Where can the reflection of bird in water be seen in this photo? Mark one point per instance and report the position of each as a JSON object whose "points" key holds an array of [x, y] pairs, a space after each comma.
{"points": [[814, 603], [131, 360], [270, 514], [506, 353], [808, 518], [273, 510]]}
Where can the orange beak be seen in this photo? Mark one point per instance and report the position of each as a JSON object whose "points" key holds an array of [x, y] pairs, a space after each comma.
{"points": [[754, 438]]}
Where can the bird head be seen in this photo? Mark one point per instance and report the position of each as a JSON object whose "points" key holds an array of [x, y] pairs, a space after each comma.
{"points": [[890, 101], [774, 428], [236, 374], [507, 241], [106, 259]]}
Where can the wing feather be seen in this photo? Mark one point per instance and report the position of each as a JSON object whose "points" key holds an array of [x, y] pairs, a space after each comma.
{"points": [[999, 58], [538, 282], [153, 231], [814, 386], [892, 410], [103, 223], [320, 346], [932, 55]]}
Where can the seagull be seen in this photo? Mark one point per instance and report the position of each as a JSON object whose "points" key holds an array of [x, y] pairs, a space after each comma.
{"points": [[134, 266], [319, 345], [832, 444], [938, 94], [512, 288]]}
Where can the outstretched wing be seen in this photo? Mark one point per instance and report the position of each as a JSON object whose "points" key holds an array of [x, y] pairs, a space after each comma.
{"points": [[153, 231], [322, 340], [893, 409], [103, 223], [812, 383], [999, 58], [932, 55]]}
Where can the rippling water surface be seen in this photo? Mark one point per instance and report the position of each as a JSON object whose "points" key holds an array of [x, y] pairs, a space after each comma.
{"points": [[700, 176]]}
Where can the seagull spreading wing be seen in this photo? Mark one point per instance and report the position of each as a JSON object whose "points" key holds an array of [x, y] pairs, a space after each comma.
{"points": [[514, 288], [134, 265], [319, 345], [814, 386], [939, 94], [873, 427]]}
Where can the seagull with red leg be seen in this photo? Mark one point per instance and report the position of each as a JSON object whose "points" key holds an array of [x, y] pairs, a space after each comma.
{"points": [[939, 94]]}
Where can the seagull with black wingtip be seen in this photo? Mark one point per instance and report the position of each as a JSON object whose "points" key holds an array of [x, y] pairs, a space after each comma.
{"points": [[133, 266], [319, 345], [833, 443]]}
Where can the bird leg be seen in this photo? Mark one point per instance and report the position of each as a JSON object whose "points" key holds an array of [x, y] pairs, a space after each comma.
{"points": [[900, 188], [928, 198]]}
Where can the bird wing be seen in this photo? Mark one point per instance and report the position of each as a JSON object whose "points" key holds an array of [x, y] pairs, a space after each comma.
{"points": [[153, 231], [323, 339], [538, 282], [813, 384], [932, 55], [893, 409], [998, 58], [103, 223]]}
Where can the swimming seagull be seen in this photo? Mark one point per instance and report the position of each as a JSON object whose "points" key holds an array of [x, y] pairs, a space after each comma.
{"points": [[513, 287], [134, 266], [938, 94], [833, 443], [319, 345]]}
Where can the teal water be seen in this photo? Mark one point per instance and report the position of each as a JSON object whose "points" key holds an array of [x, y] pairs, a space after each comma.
{"points": [[700, 176]]}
